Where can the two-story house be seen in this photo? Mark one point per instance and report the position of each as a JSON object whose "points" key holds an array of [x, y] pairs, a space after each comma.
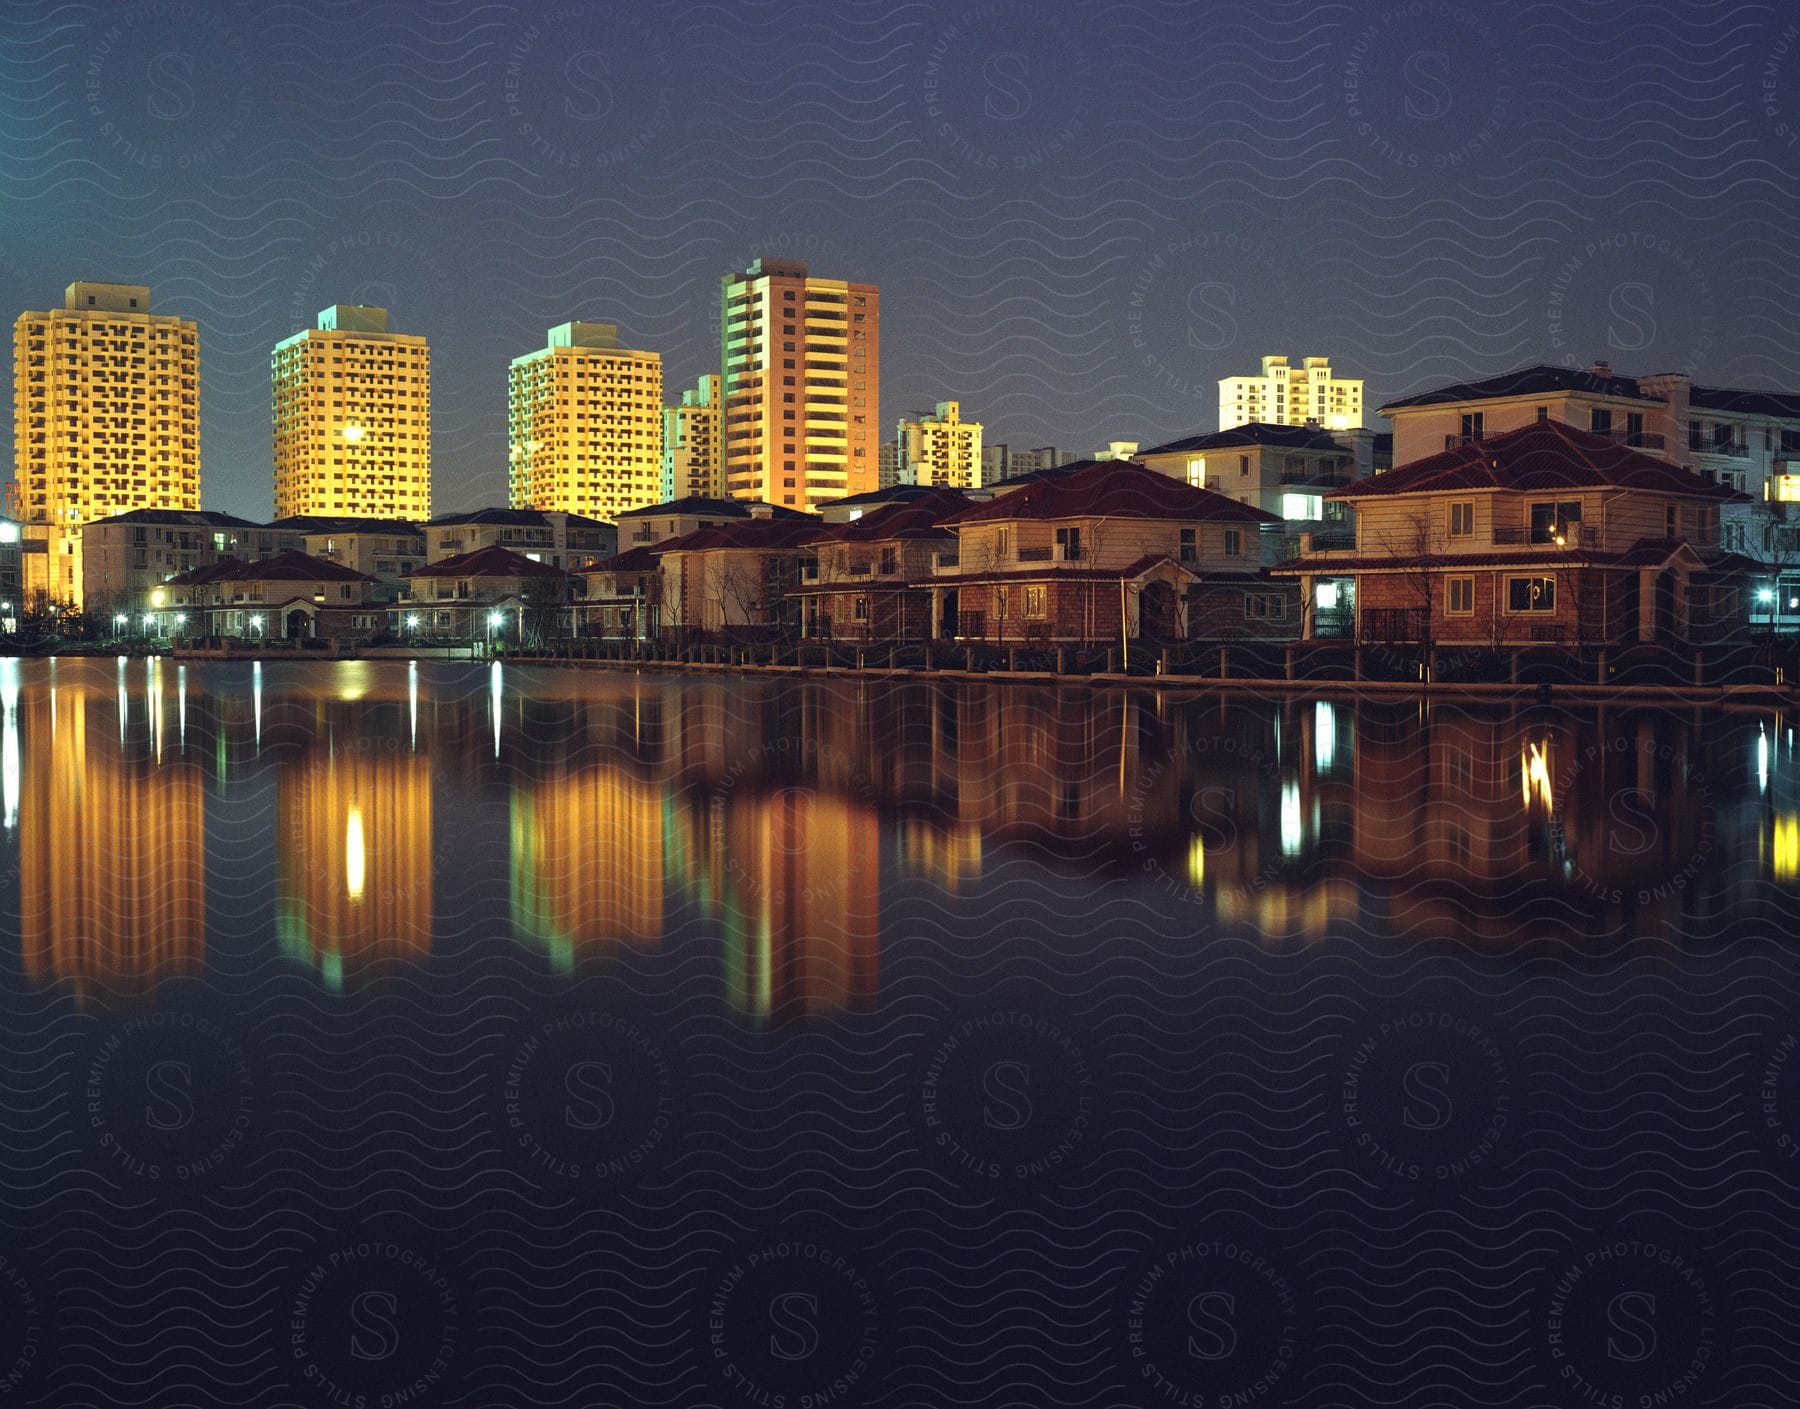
{"points": [[487, 594], [737, 578], [1545, 533], [857, 584], [623, 597], [1111, 548], [291, 595], [553, 536], [658, 523]]}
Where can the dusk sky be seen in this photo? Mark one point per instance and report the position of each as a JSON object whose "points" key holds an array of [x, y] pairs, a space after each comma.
{"points": [[1080, 216]]}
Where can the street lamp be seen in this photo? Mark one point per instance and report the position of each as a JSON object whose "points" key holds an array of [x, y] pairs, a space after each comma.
{"points": [[120, 622], [149, 621], [256, 623], [412, 621]]}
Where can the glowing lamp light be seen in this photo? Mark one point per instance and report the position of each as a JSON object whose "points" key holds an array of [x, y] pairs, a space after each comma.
{"points": [[181, 618], [149, 621], [120, 619], [257, 622], [353, 434], [496, 618], [1765, 594], [412, 621]]}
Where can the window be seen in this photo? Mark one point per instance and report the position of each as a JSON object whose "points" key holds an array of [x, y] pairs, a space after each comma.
{"points": [[1551, 523], [1543, 413], [1265, 606], [1234, 543], [1472, 425], [1189, 550], [1634, 426], [1243, 467], [1459, 596], [1001, 601], [1531, 594], [1001, 543], [889, 560], [1069, 540], [1671, 522], [1034, 602], [1196, 472], [860, 609], [1462, 519]]}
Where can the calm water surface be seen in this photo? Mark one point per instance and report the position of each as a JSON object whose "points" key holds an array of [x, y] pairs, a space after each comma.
{"points": [[387, 1034]]}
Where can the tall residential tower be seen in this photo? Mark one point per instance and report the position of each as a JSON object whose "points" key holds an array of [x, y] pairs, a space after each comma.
{"points": [[106, 419], [1292, 396], [941, 448], [801, 359], [692, 444], [352, 418], [584, 424]]}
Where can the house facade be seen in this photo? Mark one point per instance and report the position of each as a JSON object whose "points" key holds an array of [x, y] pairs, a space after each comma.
{"points": [[489, 593], [291, 596], [858, 585], [1106, 550], [1542, 534], [555, 537], [737, 579]]}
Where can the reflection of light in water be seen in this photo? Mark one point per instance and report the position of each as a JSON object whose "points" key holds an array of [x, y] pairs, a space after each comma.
{"points": [[1197, 861], [256, 694], [1784, 847], [495, 686], [355, 857], [1324, 735], [9, 751], [181, 705], [1762, 760], [124, 701], [352, 679], [1293, 832], [153, 700], [1534, 774], [412, 699]]}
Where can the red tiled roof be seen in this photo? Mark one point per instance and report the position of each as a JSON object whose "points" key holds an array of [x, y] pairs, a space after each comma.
{"points": [[492, 561], [767, 534], [1114, 489], [918, 517], [1545, 455], [639, 559], [283, 567]]}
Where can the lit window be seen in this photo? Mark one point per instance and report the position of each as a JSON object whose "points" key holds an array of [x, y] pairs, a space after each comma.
{"points": [[1459, 596], [1531, 594]]}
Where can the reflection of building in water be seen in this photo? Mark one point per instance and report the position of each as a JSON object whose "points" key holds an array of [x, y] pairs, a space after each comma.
{"points": [[792, 877], [587, 861], [112, 852], [354, 837]]}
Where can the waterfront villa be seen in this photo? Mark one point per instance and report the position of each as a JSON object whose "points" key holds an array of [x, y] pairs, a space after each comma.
{"points": [[857, 586], [1543, 534], [1111, 547], [490, 593], [291, 595], [623, 597], [737, 577]]}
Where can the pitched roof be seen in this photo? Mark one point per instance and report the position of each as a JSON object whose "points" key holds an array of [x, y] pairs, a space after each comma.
{"points": [[769, 535], [336, 523], [527, 518], [491, 561], [715, 508], [918, 516], [1254, 433], [1118, 489], [639, 559], [283, 567], [893, 494], [1538, 380], [1047, 472], [190, 518], [1777, 405], [1544, 455]]}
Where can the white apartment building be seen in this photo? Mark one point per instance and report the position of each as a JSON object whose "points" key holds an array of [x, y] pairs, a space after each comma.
{"points": [[940, 448], [585, 424], [1292, 396], [106, 419], [352, 418]]}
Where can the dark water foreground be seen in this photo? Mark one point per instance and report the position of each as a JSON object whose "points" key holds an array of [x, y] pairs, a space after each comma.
{"points": [[385, 1035]]}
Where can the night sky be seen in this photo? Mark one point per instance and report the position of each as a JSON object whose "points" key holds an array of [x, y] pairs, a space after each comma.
{"points": [[1081, 216]]}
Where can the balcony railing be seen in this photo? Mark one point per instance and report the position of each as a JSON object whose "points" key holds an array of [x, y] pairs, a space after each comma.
{"points": [[1036, 555], [946, 562], [1327, 542], [861, 569], [1573, 535], [1736, 449], [1452, 441]]}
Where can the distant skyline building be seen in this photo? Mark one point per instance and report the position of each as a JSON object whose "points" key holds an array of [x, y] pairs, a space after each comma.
{"points": [[585, 424], [940, 448], [692, 464], [889, 466], [801, 364], [106, 419], [352, 418], [1291, 396], [1044, 457]]}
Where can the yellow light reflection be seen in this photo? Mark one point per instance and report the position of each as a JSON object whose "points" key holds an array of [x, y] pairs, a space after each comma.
{"points": [[355, 855], [1784, 847], [1534, 775]]}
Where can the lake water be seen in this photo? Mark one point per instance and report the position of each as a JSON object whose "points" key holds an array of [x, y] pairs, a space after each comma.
{"points": [[442, 1034]]}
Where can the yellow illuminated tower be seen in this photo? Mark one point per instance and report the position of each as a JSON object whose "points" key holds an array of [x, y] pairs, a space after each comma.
{"points": [[693, 445], [585, 424], [801, 361], [941, 448], [106, 419], [352, 418]]}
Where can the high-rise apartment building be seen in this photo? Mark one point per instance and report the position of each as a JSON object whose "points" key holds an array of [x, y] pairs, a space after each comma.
{"points": [[941, 448], [692, 444], [890, 469], [106, 419], [802, 375], [352, 418], [585, 424], [1292, 396]]}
